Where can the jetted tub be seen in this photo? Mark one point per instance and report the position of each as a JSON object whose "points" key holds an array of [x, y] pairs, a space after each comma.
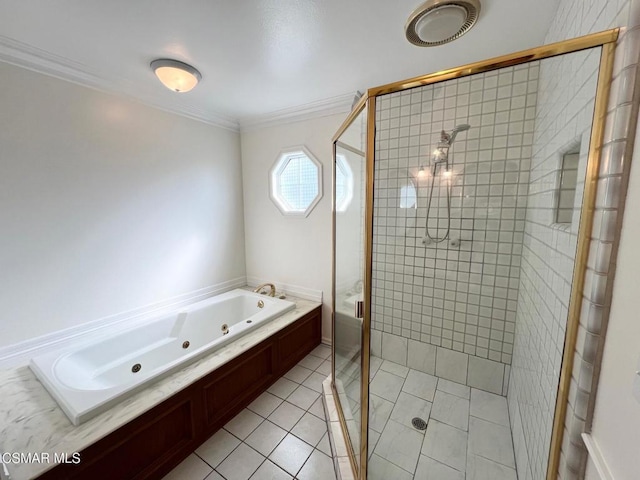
{"points": [[88, 379]]}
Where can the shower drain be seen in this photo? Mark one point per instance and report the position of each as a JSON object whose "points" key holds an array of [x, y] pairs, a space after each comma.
{"points": [[419, 423]]}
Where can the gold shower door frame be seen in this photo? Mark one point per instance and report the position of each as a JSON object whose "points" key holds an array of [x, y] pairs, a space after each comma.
{"points": [[606, 40]]}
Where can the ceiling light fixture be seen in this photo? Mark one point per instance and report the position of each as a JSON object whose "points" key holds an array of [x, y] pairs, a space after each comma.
{"points": [[175, 75], [437, 22]]}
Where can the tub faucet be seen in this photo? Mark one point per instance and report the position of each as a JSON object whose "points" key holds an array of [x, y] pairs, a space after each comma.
{"points": [[272, 289]]}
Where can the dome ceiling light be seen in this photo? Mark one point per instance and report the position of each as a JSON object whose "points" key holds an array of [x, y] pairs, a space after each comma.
{"points": [[175, 75], [437, 22]]}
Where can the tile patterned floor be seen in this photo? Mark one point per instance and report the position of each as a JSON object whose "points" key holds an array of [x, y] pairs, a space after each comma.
{"points": [[468, 435], [282, 435]]}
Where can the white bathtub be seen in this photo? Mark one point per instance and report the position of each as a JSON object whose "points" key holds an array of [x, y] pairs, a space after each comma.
{"points": [[90, 378]]}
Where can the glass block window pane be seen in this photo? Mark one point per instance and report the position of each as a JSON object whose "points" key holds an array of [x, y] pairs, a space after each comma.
{"points": [[296, 183], [299, 182]]}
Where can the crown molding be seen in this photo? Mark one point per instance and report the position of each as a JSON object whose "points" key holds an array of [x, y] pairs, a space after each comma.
{"points": [[41, 61], [31, 58], [321, 108]]}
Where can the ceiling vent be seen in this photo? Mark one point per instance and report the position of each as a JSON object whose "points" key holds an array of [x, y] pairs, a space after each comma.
{"points": [[437, 22]]}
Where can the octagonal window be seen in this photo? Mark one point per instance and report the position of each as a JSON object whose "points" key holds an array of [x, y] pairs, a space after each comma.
{"points": [[296, 182]]}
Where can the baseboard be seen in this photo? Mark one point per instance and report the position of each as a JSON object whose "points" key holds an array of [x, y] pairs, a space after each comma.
{"points": [[490, 380], [19, 354], [595, 454], [294, 290]]}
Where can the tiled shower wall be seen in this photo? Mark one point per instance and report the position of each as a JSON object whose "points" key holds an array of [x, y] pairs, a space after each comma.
{"points": [[531, 416], [457, 297], [564, 113], [579, 17]]}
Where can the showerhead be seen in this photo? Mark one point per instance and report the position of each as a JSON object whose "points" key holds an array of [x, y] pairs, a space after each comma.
{"points": [[441, 154], [461, 127], [458, 128]]}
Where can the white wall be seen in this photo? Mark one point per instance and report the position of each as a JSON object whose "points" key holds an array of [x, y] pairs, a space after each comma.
{"points": [[289, 250], [616, 423], [107, 205]]}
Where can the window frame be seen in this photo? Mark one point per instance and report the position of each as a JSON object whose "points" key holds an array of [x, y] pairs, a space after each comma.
{"points": [[280, 164]]}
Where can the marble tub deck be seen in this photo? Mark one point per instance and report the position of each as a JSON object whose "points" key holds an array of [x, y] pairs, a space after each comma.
{"points": [[32, 422]]}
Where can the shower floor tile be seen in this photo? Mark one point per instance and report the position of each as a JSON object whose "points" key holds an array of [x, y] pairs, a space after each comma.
{"points": [[281, 435], [253, 447], [429, 468], [400, 445], [407, 407], [451, 410], [468, 434], [386, 385], [446, 444]]}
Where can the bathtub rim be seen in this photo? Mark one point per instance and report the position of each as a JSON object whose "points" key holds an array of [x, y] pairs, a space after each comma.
{"points": [[54, 433], [58, 356], [102, 400]]}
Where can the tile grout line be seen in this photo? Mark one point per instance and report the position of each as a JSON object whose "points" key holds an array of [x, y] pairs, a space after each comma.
{"points": [[289, 431], [467, 432], [394, 405], [424, 434]]}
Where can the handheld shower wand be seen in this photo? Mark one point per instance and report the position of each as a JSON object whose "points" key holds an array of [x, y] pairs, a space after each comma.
{"points": [[452, 136], [441, 156]]}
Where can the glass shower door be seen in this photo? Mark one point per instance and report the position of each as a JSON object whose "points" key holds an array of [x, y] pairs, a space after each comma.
{"points": [[348, 271]]}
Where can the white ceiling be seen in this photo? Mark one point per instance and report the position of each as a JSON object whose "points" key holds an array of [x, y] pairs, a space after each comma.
{"points": [[255, 56]]}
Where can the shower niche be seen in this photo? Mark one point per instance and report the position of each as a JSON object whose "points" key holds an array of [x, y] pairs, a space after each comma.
{"points": [[456, 295]]}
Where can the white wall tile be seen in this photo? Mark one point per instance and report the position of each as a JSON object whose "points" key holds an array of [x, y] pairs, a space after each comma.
{"points": [[485, 374], [376, 343], [562, 113], [422, 356], [416, 295], [452, 365], [460, 293], [394, 348]]}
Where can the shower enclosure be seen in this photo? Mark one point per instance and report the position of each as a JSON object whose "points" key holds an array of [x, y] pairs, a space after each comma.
{"points": [[463, 203]]}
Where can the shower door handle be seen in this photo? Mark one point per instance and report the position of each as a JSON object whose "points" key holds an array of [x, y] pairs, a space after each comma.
{"points": [[359, 309]]}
